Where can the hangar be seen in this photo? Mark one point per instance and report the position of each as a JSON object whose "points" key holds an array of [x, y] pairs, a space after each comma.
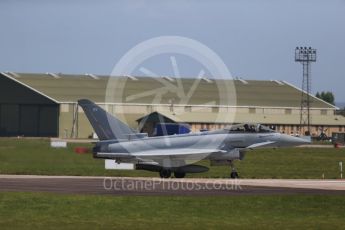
{"points": [[45, 105]]}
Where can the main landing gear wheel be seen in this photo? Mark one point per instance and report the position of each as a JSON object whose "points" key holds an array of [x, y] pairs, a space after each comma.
{"points": [[165, 173], [179, 174]]}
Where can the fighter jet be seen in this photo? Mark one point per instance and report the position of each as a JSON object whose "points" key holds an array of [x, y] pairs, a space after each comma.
{"points": [[178, 154]]}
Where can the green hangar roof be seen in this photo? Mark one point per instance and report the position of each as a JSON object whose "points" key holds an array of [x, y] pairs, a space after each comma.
{"points": [[63, 88]]}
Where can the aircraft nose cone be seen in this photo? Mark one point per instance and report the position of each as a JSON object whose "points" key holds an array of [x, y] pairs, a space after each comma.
{"points": [[286, 140]]}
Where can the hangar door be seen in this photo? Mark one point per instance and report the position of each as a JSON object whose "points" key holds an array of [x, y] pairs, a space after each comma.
{"points": [[28, 120]]}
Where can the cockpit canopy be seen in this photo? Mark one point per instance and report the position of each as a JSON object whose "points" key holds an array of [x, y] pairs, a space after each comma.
{"points": [[249, 128]]}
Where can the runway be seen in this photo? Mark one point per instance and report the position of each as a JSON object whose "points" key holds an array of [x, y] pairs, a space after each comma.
{"points": [[157, 186]]}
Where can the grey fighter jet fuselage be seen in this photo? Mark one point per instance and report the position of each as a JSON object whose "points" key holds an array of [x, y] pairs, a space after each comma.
{"points": [[178, 153]]}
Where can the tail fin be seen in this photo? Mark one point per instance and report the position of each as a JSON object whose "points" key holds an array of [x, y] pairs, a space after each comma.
{"points": [[106, 126]]}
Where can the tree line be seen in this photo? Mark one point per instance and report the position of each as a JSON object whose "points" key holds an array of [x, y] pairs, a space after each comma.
{"points": [[326, 96]]}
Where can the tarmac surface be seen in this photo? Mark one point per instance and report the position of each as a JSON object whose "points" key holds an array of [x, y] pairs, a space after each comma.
{"points": [[157, 186]]}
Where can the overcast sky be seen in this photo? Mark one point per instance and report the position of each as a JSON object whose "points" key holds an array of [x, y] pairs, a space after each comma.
{"points": [[255, 39]]}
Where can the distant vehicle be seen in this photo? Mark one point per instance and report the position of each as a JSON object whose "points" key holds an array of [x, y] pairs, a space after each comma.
{"points": [[294, 134], [173, 153], [338, 138], [323, 136]]}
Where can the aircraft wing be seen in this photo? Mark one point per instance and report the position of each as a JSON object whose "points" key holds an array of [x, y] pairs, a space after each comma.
{"points": [[176, 152], [162, 153], [261, 144]]}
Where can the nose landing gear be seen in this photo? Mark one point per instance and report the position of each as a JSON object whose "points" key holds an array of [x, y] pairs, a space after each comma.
{"points": [[234, 173]]}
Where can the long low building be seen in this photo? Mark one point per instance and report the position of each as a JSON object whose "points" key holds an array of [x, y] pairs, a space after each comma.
{"points": [[46, 104]]}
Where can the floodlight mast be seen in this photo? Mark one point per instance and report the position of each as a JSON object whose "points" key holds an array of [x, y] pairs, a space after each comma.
{"points": [[305, 56]]}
